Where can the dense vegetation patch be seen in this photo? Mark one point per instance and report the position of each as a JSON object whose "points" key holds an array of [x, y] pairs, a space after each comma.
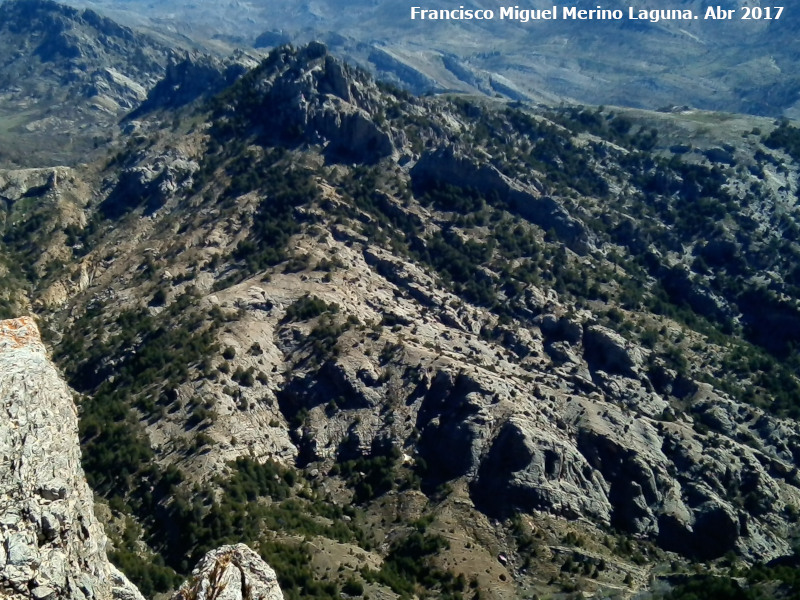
{"points": [[369, 476], [276, 219], [785, 137], [155, 356], [778, 581], [307, 307], [408, 570]]}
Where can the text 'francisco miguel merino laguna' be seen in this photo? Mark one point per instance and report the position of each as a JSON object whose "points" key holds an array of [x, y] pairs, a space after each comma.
{"points": [[572, 13]]}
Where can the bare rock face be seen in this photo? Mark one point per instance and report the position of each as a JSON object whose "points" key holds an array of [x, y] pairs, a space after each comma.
{"points": [[21, 183], [531, 469], [231, 573], [150, 185], [51, 544]]}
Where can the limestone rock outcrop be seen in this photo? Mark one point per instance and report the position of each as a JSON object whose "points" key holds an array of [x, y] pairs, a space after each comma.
{"points": [[150, 185], [530, 469], [450, 167], [51, 544], [24, 183]]}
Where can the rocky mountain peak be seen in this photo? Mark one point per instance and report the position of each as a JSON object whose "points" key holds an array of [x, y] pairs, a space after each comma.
{"points": [[306, 95], [29, 14]]}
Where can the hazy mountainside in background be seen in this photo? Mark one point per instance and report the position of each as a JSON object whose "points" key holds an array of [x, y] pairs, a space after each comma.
{"points": [[737, 66], [70, 77], [436, 346], [66, 77]]}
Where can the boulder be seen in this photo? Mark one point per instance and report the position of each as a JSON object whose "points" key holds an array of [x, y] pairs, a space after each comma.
{"points": [[231, 573], [608, 351]]}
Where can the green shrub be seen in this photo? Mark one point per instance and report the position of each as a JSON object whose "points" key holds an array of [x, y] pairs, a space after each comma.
{"points": [[353, 587], [308, 307], [370, 477], [408, 572]]}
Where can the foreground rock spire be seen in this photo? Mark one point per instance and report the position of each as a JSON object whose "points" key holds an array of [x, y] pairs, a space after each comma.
{"points": [[51, 544]]}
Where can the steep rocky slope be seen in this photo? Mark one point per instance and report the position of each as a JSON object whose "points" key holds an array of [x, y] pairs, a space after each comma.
{"points": [[51, 544], [424, 346]]}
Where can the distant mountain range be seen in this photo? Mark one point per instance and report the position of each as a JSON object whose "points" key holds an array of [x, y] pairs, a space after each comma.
{"points": [[737, 65]]}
